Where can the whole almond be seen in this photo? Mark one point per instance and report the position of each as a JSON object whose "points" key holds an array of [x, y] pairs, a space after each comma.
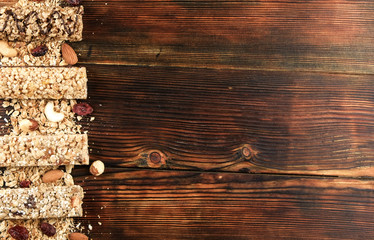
{"points": [[68, 54], [52, 176], [77, 236]]}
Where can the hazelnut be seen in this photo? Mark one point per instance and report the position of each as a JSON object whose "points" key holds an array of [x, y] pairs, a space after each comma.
{"points": [[27, 125], [97, 168]]}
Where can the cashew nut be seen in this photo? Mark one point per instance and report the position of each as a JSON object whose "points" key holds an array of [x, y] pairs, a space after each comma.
{"points": [[51, 114], [6, 50]]}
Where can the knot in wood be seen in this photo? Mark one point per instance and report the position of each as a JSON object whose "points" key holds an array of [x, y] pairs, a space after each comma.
{"points": [[155, 157]]}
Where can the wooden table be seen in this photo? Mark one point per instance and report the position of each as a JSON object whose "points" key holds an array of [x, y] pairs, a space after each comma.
{"points": [[230, 119]]}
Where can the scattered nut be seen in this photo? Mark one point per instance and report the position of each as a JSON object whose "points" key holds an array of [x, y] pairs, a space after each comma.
{"points": [[97, 168], [68, 54], [77, 236], [52, 176], [51, 114], [75, 202], [6, 50], [27, 125]]}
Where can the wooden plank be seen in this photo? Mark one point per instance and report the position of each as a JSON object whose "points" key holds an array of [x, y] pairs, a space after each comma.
{"points": [[328, 36], [148, 204], [229, 120]]}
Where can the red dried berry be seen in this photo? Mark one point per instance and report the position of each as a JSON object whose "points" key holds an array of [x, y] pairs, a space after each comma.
{"points": [[82, 109], [25, 183], [39, 51], [19, 233], [74, 2], [48, 229]]}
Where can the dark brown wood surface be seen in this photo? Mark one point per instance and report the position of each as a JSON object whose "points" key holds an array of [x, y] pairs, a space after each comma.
{"points": [[332, 36], [219, 119], [163, 204], [230, 119]]}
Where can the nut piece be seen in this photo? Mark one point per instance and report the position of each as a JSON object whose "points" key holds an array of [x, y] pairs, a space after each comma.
{"points": [[52, 176], [51, 114], [68, 54], [97, 168], [27, 125], [75, 202], [77, 236], [6, 50]]}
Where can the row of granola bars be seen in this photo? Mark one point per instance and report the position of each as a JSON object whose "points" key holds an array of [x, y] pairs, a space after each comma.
{"points": [[37, 198]]}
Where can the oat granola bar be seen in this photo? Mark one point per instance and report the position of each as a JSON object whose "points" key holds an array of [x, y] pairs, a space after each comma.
{"points": [[41, 202], [43, 83], [52, 57], [27, 22], [16, 177], [43, 150], [63, 227]]}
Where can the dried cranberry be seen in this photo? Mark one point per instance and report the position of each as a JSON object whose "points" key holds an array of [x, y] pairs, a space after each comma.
{"points": [[39, 51], [48, 229], [25, 183], [19, 233], [82, 109], [74, 2]]}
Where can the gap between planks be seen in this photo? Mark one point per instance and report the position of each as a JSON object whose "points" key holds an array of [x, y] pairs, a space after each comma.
{"points": [[118, 64], [300, 175]]}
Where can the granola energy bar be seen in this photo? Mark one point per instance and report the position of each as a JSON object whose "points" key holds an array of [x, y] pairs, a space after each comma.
{"points": [[43, 83], [16, 177], [25, 58], [63, 227], [30, 22], [43, 150], [41, 202]]}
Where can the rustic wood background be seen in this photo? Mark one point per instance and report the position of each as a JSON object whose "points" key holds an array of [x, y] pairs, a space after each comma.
{"points": [[230, 119]]}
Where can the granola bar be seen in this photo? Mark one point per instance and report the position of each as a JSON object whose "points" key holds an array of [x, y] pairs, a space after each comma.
{"points": [[63, 227], [27, 22], [40, 82], [41, 202], [34, 109], [25, 58], [43, 150], [15, 177]]}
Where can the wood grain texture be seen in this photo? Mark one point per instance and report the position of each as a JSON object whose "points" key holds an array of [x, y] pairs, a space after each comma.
{"points": [[199, 119], [328, 36], [146, 204]]}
